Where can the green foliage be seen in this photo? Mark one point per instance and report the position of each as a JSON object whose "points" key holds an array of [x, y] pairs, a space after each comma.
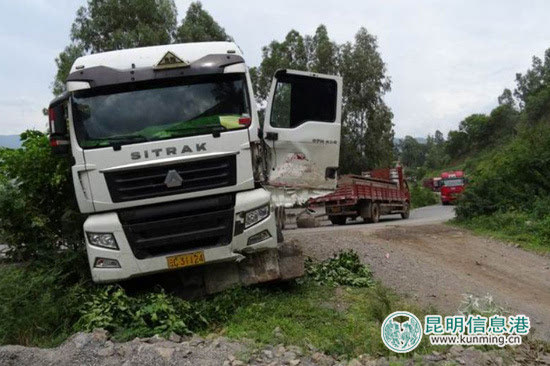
{"points": [[413, 153], [38, 213], [514, 177], [344, 269], [151, 313], [421, 196], [105, 25], [39, 303], [199, 26], [45, 303], [530, 230], [64, 62], [367, 131], [509, 191]]}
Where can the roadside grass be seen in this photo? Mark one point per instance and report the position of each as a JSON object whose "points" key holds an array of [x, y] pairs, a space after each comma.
{"points": [[520, 228], [337, 309], [340, 321]]}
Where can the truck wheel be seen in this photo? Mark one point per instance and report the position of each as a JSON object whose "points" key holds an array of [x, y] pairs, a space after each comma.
{"points": [[280, 237], [406, 211], [365, 211], [338, 220], [375, 213]]}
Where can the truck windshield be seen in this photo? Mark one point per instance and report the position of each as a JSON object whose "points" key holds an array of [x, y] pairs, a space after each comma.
{"points": [[158, 110], [456, 182]]}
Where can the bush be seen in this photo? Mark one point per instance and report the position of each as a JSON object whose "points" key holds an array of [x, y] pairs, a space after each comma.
{"points": [[421, 196], [343, 269], [152, 313], [514, 177], [38, 212], [39, 305]]}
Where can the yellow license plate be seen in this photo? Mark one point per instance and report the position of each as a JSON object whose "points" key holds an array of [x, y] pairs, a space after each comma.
{"points": [[185, 260], [336, 209]]}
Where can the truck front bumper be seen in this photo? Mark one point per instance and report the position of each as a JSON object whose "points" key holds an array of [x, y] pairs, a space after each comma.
{"points": [[130, 266]]}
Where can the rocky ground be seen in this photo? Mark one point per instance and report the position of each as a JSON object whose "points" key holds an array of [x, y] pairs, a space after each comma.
{"points": [[97, 349]]}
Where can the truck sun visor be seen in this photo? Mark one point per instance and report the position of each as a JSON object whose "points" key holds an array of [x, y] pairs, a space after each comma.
{"points": [[102, 75]]}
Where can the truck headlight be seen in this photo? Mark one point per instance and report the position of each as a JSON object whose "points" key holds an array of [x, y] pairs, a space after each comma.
{"points": [[103, 240], [253, 217]]}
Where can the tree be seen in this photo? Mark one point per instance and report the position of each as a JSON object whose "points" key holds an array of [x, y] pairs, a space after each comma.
{"points": [[106, 25], [413, 153], [64, 62], [199, 26], [506, 98], [435, 151], [323, 56], [289, 54], [478, 130], [38, 212], [457, 144], [364, 111]]}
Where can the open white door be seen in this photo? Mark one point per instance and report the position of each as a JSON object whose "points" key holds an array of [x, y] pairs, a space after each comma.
{"points": [[302, 126]]}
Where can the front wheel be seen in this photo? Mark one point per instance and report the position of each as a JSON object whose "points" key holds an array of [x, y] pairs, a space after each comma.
{"points": [[406, 211], [337, 220]]}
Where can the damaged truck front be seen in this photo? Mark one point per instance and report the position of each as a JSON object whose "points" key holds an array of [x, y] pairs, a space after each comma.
{"points": [[175, 170]]}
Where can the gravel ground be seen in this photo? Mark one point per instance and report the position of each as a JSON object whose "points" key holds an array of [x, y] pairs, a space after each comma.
{"points": [[96, 349]]}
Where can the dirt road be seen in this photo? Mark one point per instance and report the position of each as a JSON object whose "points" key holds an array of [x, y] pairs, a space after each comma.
{"points": [[435, 264]]}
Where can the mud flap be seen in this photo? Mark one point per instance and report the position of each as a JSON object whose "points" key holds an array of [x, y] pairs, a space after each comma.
{"points": [[272, 265]]}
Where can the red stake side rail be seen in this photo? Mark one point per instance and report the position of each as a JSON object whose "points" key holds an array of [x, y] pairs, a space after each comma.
{"points": [[381, 192]]}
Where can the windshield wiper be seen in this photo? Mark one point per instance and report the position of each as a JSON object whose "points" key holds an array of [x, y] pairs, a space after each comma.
{"points": [[182, 131], [117, 141]]}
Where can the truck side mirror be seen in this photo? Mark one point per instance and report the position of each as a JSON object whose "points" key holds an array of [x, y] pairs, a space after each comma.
{"points": [[59, 133]]}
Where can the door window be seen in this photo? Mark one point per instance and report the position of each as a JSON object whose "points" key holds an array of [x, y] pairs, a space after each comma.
{"points": [[299, 99]]}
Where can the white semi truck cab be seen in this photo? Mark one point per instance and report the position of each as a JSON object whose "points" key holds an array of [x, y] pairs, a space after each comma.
{"points": [[174, 168]]}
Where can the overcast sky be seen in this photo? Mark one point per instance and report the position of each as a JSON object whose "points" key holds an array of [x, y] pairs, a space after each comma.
{"points": [[446, 59]]}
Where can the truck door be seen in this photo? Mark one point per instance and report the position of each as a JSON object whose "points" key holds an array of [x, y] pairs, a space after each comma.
{"points": [[302, 126]]}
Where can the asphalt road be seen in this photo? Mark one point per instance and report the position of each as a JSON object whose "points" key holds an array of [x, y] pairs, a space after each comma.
{"points": [[420, 216]]}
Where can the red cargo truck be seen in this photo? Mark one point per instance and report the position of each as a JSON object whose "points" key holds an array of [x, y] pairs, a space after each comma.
{"points": [[452, 185], [432, 183], [375, 193]]}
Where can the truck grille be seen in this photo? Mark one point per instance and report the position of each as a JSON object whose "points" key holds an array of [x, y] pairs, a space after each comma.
{"points": [[179, 226], [150, 182]]}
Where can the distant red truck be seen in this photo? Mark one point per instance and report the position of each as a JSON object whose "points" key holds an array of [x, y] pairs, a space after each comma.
{"points": [[375, 193], [432, 183], [452, 185]]}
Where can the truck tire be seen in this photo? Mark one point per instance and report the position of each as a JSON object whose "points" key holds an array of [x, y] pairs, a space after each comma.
{"points": [[365, 211], [280, 236], [406, 211], [280, 217], [375, 216], [337, 220]]}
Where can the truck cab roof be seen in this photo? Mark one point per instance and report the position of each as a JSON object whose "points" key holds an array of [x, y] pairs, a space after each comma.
{"points": [[147, 57]]}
